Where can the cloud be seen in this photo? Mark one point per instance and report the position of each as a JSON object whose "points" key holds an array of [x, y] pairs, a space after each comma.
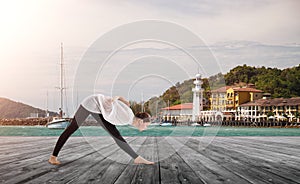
{"points": [[231, 54], [267, 21]]}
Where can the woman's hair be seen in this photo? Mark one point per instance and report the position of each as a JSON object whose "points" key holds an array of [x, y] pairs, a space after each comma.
{"points": [[144, 116]]}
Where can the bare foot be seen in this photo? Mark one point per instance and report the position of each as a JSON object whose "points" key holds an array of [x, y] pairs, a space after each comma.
{"points": [[53, 160], [141, 160]]}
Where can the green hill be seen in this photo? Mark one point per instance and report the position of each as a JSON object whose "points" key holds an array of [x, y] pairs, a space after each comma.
{"points": [[11, 109], [280, 83]]}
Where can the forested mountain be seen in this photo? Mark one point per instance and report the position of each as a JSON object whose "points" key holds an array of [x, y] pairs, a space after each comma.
{"points": [[280, 83], [12, 109]]}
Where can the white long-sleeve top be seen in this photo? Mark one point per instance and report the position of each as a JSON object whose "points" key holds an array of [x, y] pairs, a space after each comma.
{"points": [[113, 110]]}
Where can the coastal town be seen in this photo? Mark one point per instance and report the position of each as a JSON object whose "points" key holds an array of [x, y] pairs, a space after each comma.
{"points": [[236, 106]]}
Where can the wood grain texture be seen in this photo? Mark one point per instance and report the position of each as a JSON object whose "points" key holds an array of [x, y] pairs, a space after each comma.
{"points": [[177, 160]]}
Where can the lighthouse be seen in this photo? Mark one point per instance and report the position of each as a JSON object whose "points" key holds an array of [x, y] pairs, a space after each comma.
{"points": [[197, 98]]}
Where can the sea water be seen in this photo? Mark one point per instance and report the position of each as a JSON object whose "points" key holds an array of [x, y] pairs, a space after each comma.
{"points": [[152, 131]]}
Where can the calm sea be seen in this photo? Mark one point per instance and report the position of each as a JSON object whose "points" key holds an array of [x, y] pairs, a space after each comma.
{"points": [[152, 131]]}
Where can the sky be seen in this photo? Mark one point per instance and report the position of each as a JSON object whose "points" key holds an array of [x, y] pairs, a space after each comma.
{"points": [[256, 33]]}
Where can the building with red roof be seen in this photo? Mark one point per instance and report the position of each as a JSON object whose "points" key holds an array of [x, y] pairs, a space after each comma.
{"points": [[180, 112]]}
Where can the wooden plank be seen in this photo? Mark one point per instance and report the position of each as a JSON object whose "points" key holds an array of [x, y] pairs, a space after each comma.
{"points": [[109, 173], [173, 168], [29, 167], [85, 169], [15, 149], [279, 164], [21, 143], [179, 160], [148, 173], [38, 166], [206, 168], [264, 154], [244, 164], [143, 173], [294, 140], [35, 151], [289, 149], [11, 140]]}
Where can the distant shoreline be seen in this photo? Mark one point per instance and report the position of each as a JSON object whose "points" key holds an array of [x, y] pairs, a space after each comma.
{"points": [[25, 121], [44, 121], [294, 127]]}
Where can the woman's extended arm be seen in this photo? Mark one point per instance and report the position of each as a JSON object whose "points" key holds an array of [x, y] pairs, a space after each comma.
{"points": [[122, 100]]}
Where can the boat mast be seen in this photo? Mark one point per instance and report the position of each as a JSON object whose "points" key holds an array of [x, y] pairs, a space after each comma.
{"points": [[47, 112], [61, 88]]}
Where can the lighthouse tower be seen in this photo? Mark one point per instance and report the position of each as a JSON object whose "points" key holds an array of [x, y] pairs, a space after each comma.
{"points": [[197, 98]]}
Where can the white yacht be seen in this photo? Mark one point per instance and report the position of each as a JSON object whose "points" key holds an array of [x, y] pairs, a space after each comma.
{"points": [[60, 122]]}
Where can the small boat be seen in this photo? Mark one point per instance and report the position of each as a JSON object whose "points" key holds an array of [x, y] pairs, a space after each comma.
{"points": [[58, 123], [165, 124], [206, 125], [195, 124], [154, 124]]}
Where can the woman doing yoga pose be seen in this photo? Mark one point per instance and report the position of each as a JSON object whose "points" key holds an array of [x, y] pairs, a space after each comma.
{"points": [[108, 112]]}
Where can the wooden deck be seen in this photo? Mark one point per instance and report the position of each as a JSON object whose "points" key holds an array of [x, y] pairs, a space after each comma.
{"points": [[88, 160]]}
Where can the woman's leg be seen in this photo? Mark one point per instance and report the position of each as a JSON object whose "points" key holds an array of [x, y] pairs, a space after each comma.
{"points": [[113, 131], [80, 115]]}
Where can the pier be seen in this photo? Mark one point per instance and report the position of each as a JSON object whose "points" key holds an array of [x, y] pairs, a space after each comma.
{"points": [[178, 160]]}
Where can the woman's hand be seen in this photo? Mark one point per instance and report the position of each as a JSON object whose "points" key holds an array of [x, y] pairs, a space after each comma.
{"points": [[123, 100]]}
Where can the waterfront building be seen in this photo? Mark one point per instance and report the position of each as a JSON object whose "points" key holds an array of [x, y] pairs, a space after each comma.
{"points": [[218, 99], [184, 113], [235, 96], [277, 109], [228, 98], [180, 112]]}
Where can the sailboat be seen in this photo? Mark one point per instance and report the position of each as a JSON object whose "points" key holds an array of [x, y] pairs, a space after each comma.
{"points": [[60, 122]]}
